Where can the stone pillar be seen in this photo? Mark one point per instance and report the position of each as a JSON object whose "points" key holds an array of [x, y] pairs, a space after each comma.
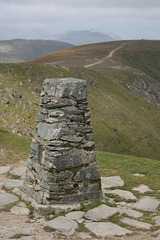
{"points": [[62, 165]]}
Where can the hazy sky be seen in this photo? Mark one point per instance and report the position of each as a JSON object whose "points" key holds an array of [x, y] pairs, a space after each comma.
{"points": [[130, 19]]}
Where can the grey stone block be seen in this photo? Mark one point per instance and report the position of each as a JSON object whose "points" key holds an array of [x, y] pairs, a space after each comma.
{"points": [[50, 186], [72, 138], [103, 229], [137, 224], [114, 181], [157, 220], [147, 204], [4, 169], [75, 215], [121, 193], [88, 173], [66, 88], [65, 175], [12, 183], [142, 188], [49, 131], [101, 212], [73, 158], [7, 198], [62, 224]]}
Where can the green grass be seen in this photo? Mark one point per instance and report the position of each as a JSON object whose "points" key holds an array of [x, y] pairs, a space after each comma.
{"points": [[19, 235], [93, 204], [125, 166], [13, 147], [81, 228], [49, 229]]}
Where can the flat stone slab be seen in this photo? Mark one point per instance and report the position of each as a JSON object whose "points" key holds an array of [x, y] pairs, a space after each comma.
{"points": [[142, 188], [12, 183], [75, 215], [62, 224], [138, 175], [147, 204], [108, 182], [7, 198], [157, 220], [20, 210], [103, 229], [25, 230], [101, 212], [130, 212], [83, 235], [136, 223], [18, 172], [4, 169], [121, 193]]}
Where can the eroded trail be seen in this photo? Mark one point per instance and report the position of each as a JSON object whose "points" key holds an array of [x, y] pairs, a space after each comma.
{"points": [[106, 57]]}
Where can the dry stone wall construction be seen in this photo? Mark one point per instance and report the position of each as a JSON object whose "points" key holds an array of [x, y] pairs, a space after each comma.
{"points": [[62, 165]]}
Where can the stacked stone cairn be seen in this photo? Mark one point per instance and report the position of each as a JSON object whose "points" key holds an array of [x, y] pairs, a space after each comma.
{"points": [[62, 165]]}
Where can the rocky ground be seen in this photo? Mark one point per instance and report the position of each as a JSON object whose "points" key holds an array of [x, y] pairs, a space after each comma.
{"points": [[120, 215]]}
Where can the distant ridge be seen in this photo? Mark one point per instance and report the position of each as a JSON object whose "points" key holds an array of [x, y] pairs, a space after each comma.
{"points": [[20, 50], [86, 37]]}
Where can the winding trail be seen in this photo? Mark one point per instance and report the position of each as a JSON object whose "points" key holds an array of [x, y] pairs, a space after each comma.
{"points": [[107, 57]]}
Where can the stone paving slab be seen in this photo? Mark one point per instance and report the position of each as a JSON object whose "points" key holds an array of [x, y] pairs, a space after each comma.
{"points": [[121, 193], [20, 210], [18, 172], [12, 183], [24, 230], [137, 224], [84, 236], [142, 188], [101, 212], [4, 169], [7, 198], [106, 229], [108, 182], [62, 224], [130, 212], [138, 175], [157, 220], [147, 204], [75, 215]]}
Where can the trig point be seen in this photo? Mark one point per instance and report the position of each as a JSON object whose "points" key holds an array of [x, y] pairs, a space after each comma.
{"points": [[62, 166]]}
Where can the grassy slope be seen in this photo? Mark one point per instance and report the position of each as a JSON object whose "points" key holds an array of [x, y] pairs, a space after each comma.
{"points": [[122, 122], [30, 76], [79, 55], [13, 148]]}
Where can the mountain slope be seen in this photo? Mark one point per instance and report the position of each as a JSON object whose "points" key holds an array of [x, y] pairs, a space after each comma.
{"points": [[123, 95], [135, 64], [20, 50]]}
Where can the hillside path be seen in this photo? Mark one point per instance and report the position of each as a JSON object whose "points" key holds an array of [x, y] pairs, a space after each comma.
{"points": [[106, 57]]}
